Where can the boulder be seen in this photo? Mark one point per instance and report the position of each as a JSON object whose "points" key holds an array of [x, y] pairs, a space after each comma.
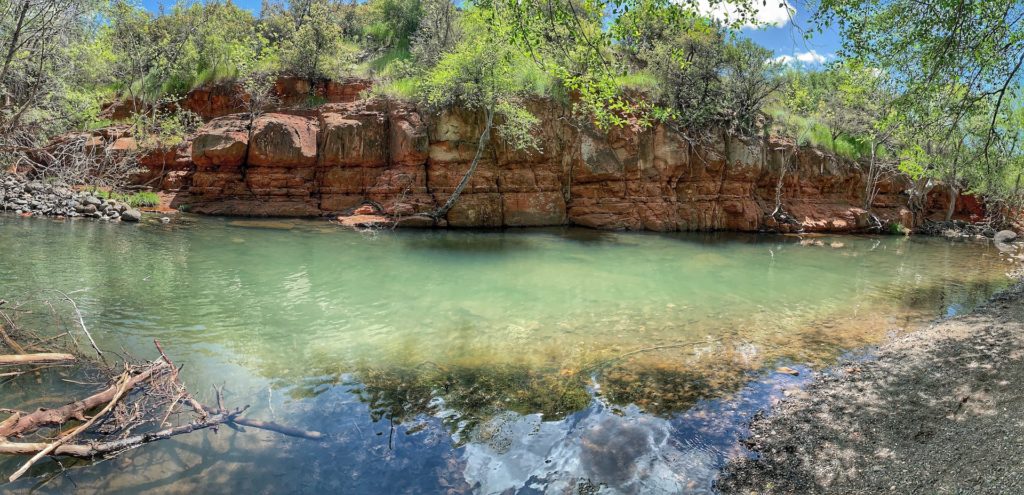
{"points": [[131, 215], [221, 143], [285, 141], [1005, 236], [354, 135]]}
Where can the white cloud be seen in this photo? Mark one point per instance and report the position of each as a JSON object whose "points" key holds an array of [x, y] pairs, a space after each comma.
{"points": [[810, 57], [775, 13]]}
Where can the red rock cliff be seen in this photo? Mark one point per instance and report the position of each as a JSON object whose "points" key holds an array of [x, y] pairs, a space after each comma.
{"points": [[332, 158]]}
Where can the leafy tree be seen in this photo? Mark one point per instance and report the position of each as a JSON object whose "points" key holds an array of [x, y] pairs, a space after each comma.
{"points": [[37, 40], [315, 49], [392, 23], [931, 47], [708, 80], [437, 33], [483, 72], [574, 41]]}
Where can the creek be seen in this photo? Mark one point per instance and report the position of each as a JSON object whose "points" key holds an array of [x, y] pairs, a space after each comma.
{"points": [[524, 361]]}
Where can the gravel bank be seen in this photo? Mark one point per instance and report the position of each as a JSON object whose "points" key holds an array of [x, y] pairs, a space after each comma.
{"points": [[935, 411], [24, 197]]}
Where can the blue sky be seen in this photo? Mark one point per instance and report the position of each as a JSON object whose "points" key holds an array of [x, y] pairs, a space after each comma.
{"points": [[785, 38]]}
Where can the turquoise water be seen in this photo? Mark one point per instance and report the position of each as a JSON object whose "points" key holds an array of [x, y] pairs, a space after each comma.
{"points": [[473, 361]]}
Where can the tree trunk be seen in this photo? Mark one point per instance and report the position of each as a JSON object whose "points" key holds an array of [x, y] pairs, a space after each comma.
{"points": [[485, 137], [953, 194], [869, 188], [14, 40]]}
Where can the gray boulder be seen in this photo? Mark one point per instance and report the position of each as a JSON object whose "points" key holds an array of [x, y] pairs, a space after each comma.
{"points": [[1005, 236], [131, 215]]}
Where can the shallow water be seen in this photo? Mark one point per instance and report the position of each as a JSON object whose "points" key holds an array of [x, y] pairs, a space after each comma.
{"points": [[531, 361]]}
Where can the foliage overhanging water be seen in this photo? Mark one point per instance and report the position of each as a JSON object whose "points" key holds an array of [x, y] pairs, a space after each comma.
{"points": [[526, 360]]}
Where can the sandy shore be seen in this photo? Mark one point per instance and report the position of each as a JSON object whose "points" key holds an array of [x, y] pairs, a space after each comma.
{"points": [[936, 411]]}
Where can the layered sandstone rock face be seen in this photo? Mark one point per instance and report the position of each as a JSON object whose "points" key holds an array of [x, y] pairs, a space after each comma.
{"points": [[335, 157]]}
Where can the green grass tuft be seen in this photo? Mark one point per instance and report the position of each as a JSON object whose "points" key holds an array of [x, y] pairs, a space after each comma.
{"points": [[404, 88], [137, 200]]}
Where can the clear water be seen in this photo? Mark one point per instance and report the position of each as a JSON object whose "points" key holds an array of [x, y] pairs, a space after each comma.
{"points": [[491, 362]]}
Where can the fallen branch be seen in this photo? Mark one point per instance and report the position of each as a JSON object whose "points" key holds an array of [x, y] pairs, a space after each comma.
{"points": [[184, 392], [75, 410], [142, 397], [9, 341], [81, 322], [123, 386], [41, 358], [97, 449]]}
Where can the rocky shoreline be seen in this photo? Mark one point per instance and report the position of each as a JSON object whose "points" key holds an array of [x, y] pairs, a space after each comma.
{"points": [[934, 411], [24, 197]]}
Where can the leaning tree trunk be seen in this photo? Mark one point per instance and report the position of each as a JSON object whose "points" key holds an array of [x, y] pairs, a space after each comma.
{"points": [[869, 187], [485, 137], [953, 194]]}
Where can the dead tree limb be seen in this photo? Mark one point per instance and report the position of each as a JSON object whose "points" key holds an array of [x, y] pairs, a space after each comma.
{"points": [[184, 392], [141, 397], [41, 358], [98, 449], [74, 410], [123, 386], [9, 341], [278, 428], [81, 322]]}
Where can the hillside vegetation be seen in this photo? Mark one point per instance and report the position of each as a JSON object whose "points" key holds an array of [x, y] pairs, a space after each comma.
{"points": [[934, 100]]}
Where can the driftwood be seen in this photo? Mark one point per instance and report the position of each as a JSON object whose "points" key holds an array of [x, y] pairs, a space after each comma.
{"points": [[76, 410], [98, 449], [141, 397], [123, 386], [41, 358]]}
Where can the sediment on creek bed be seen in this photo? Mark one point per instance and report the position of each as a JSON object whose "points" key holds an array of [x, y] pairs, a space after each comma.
{"points": [[934, 411]]}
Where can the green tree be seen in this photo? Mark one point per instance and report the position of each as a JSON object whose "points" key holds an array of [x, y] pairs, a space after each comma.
{"points": [[931, 47], [315, 49], [483, 73]]}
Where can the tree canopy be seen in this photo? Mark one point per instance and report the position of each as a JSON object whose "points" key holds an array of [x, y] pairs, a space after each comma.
{"points": [[928, 89]]}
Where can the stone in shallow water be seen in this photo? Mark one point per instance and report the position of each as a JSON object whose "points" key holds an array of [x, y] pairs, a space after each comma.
{"points": [[131, 215], [1005, 236]]}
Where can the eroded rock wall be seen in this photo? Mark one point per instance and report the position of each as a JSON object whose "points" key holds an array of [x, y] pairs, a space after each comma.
{"points": [[332, 158]]}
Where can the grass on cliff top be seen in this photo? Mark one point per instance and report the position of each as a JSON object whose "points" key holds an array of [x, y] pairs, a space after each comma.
{"points": [[808, 131]]}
